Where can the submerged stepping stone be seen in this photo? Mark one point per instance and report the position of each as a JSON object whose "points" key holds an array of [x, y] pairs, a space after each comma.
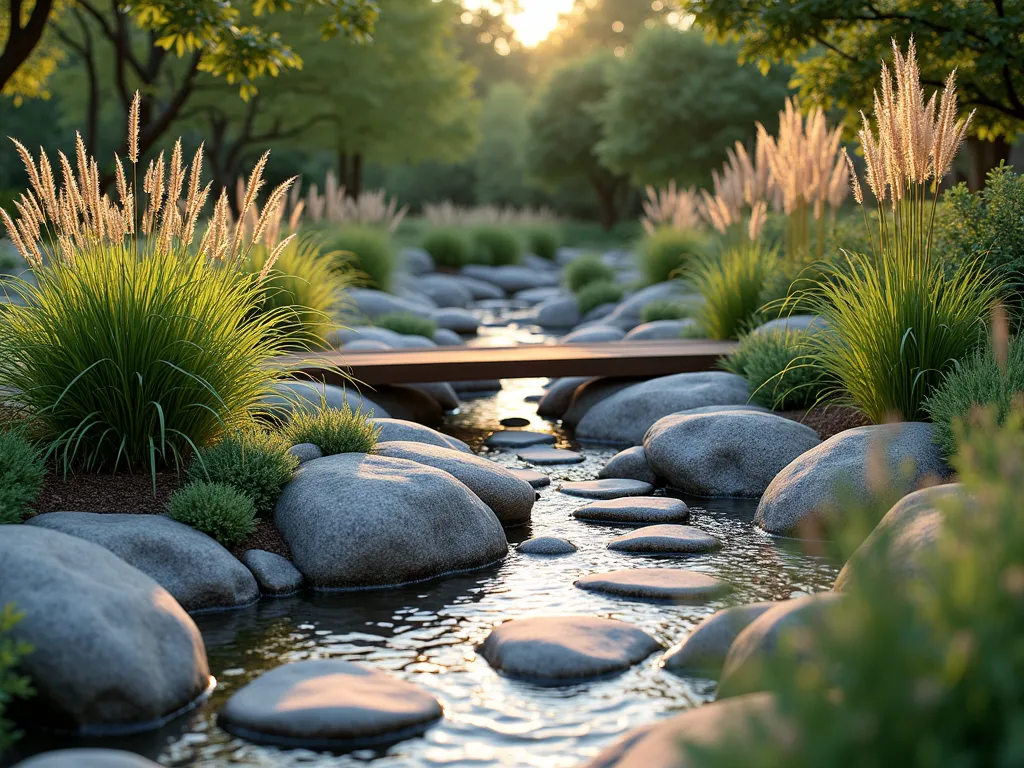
{"points": [[655, 584], [533, 477], [665, 540], [328, 703], [546, 545], [565, 649], [634, 511], [545, 456], [607, 489], [515, 438], [515, 421]]}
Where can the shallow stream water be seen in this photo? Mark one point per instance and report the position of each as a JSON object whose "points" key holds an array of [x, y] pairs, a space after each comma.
{"points": [[426, 633]]}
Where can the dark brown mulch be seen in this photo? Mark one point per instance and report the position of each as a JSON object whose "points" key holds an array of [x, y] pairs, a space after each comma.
{"points": [[828, 420], [267, 537], [122, 492]]}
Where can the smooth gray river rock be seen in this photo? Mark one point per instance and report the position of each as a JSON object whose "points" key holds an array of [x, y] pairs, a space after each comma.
{"points": [[635, 511], [606, 489], [656, 584], [665, 539]]}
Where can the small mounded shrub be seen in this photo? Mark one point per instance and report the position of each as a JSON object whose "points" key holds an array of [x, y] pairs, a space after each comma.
{"points": [[496, 246], [448, 247], [776, 367], [667, 252], [366, 249], [217, 509], [593, 295], [587, 269], [544, 242], [255, 463], [21, 476], [333, 430], [731, 286], [407, 324], [979, 381], [666, 309], [12, 684], [302, 290]]}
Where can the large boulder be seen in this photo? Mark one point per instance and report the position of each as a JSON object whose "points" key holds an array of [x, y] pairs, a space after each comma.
{"points": [[356, 520], [660, 329], [630, 464], [512, 279], [558, 312], [593, 334], [745, 719], [704, 650], [372, 304], [328, 703], [565, 649], [725, 453], [412, 402], [444, 290], [793, 323], [292, 396], [556, 399], [446, 338], [625, 417], [907, 534], [805, 496], [457, 320], [480, 290], [590, 393], [416, 261], [111, 647], [397, 429], [785, 626], [510, 498], [195, 569]]}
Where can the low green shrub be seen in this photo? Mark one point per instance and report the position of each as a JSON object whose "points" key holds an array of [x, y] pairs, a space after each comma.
{"points": [[979, 381], [333, 430], [593, 295], [777, 369], [366, 249], [731, 286], [12, 685], [587, 269], [496, 246], [667, 252], [448, 247], [407, 324], [302, 290], [253, 462], [921, 671], [666, 309], [21, 476], [216, 509], [544, 242]]}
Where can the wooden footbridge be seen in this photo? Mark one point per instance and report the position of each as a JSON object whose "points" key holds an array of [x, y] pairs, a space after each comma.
{"points": [[639, 359]]}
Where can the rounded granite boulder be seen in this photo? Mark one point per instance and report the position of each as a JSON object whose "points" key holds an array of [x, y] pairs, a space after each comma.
{"points": [[397, 429], [275, 575], [328, 703], [112, 649], [357, 520], [630, 464], [725, 453], [565, 649], [509, 497], [704, 650], [194, 568]]}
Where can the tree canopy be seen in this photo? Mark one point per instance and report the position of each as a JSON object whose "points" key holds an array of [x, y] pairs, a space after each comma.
{"points": [[678, 101]]}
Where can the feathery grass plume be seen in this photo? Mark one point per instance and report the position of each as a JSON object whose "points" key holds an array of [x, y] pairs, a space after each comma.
{"points": [[372, 207], [671, 207], [448, 214], [809, 175], [742, 189], [897, 323]]}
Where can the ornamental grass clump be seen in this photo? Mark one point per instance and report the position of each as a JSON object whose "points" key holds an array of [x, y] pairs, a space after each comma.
{"points": [[496, 246], [407, 324], [333, 430], [367, 250], [776, 368], [665, 309], [543, 242], [254, 462], [897, 322], [217, 509], [585, 270], [140, 341], [668, 251], [731, 285], [593, 295], [448, 247], [12, 684], [21, 475]]}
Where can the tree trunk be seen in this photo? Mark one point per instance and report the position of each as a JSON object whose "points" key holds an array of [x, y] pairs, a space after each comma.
{"points": [[984, 155], [343, 168], [607, 206], [357, 176], [22, 40]]}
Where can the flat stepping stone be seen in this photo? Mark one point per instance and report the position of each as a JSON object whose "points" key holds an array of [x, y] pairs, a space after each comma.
{"points": [[607, 489], [533, 477], [665, 540], [328, 703], [532, 398], [546, 545], [515, 421], [635, 511], [545, 456], [516, 438], [656, 584], [565, 649]]}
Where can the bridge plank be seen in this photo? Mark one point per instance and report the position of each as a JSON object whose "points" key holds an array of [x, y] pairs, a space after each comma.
{"points": [[415, 366]]}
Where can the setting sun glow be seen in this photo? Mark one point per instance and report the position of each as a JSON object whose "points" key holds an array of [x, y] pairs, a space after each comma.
{"points": [[536, 20]]}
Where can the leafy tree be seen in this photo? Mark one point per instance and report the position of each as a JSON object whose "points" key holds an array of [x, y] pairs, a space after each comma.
{"points": [[500, 160], [607, 25], [678, 101], [835, 45], [565, 129], [488, 43]]}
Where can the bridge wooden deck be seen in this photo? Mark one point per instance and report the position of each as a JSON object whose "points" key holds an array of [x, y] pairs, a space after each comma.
{"points": [[416, 366]]}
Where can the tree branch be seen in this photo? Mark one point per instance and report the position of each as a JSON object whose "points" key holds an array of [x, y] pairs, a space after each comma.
{"points": [[22, 40]]}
